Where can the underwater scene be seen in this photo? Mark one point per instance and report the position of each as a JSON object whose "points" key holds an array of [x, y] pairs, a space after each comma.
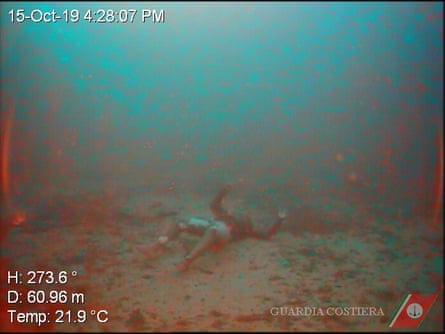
{"points": [[242, 166]]}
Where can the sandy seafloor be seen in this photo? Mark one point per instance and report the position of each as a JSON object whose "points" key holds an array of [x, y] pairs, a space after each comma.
{"points": [[329, 253]]}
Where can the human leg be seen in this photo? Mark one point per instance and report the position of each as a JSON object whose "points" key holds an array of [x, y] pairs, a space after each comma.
{"points": [[209, 239], [216, 235], [171, 232]]}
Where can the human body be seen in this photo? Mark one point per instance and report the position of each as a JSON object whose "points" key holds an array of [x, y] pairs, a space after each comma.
{"points": [[224, 228]]}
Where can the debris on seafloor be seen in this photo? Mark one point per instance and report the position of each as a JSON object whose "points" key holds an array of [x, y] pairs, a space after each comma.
{"points": [[135, 320], [265, 316]]}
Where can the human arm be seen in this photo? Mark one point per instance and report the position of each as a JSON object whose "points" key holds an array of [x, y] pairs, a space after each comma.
{"points": [[218, 211]]}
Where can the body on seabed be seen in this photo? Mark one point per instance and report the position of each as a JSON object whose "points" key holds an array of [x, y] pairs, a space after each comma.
{"points": [[224, 228]]}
